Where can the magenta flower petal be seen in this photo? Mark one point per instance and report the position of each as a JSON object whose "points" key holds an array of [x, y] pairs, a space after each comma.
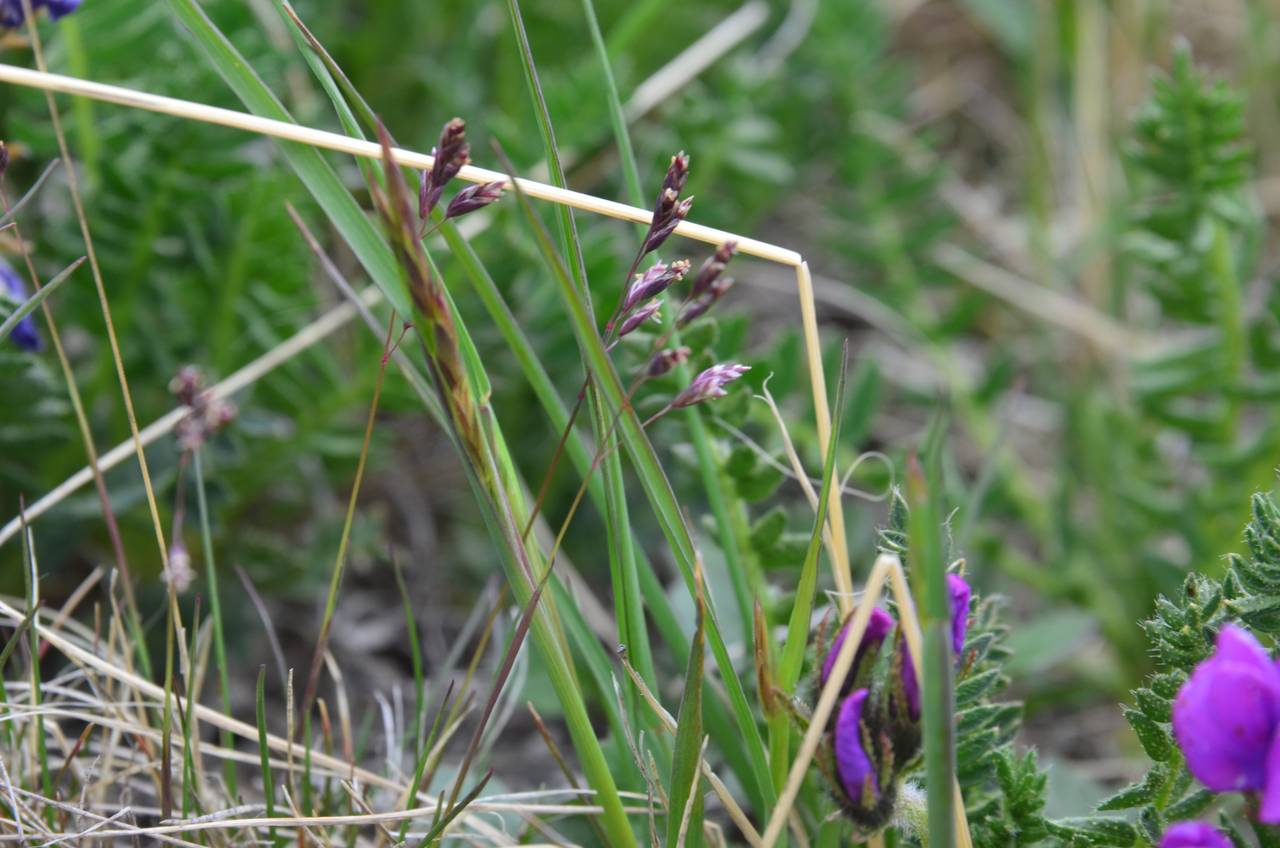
{"points": [[960, 592], [853, 766], [1194, 834], [878, 627], [1225, 715], [1269, 810]]}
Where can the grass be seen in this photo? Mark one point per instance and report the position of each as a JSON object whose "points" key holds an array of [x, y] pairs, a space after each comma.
{"points": [[659, 592]]}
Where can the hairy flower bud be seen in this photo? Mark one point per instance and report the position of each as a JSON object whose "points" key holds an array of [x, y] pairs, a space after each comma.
{"points": [[474, 197], [709, 384], [879, 625], [857, 775], [1194, 834], [959, 593]]}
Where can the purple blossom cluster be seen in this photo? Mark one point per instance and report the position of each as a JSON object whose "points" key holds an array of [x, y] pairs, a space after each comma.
{"points": [[12, 13], [876, 728], [1226, 720]]}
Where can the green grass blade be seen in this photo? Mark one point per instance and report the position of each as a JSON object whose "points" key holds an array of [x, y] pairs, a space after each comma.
{"points": [[793, 651], [30, 194], [617, 117], [264, 752], [32, 303], [316, 174], [629, 607], [928, 573], [798, 626], [686, 771], [215, 612], [666, 508]]}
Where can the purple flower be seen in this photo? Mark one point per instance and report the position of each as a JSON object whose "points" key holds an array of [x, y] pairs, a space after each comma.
{"points": [[25, 334], [474, 197], [1194, 834], [11, 12], [653, 282], [879, 625], [1225, 719], [853, 766], [959, 591], [709, 384], [644, 313]]}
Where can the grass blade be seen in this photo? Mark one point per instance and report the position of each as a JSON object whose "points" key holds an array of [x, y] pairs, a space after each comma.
{"points": [[32, 303], [686, 761], [663, 501], [320, 179], [928, 573]]}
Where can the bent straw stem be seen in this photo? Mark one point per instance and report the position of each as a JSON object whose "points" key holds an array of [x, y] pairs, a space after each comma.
{"points": [[344, 144]]}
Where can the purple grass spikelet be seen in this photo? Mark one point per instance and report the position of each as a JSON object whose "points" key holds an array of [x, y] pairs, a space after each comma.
{"points": [[713, 267], [179, 572], [207, 414], [664, 360], [653, 282], [645, 313], [24, 335], [709, 384], [451, 153], [700, 305], [660, 231], [474, 197]]}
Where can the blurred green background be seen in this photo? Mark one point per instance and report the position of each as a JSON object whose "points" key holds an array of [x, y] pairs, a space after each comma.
{"points": [[1011, 223]]}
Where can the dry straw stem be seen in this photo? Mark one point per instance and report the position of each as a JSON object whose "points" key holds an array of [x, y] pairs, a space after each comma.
{"points": [[608, 208], [887, 566], [144, 689]]}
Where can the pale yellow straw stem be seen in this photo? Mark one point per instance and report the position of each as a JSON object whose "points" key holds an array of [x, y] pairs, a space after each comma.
{"points": [[822, 413], [370, 150]]}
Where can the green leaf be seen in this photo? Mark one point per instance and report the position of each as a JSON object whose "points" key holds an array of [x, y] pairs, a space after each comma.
{"points": [[32, 303], [686, 759], [1154, 738]]}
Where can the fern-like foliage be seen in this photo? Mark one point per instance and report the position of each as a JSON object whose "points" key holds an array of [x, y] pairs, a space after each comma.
{"points": [[1182, 634], [1188, 147]]}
